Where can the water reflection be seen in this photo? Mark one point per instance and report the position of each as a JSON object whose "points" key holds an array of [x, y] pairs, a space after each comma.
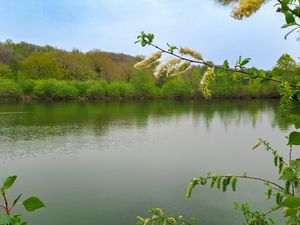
{"points": [[30, 129]]}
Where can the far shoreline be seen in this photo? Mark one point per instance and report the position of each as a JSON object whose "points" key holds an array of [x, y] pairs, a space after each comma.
{"points": [[29, 99]]}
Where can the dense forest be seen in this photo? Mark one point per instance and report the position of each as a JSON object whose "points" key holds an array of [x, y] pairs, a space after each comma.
{"points": [[29, 71]]}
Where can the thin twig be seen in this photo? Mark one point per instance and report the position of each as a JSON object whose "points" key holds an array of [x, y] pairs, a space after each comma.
{"points": [[255, 178], [290, 161], [6, 207]]}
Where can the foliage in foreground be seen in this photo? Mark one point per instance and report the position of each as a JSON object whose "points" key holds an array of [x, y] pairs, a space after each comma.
{"points": [[285, 191], [30, 204]]}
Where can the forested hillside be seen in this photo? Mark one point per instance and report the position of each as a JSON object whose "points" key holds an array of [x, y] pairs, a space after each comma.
{"points": [[30, 71]]}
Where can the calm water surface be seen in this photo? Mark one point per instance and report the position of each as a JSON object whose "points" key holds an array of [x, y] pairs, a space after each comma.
{"points": [[107, 162]]}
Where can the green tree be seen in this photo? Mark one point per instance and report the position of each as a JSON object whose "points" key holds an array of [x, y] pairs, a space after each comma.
{"points": [[75, 65], [286, 63], [41, 66], [5, 72]]}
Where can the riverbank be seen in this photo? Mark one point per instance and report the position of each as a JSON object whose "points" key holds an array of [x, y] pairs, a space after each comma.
{"points": [[28, 99], [139, 89]]}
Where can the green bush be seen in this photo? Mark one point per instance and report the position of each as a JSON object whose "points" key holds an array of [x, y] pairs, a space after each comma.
{"points": [[95, 89], [27, 86], [44, 88], [65, 89], [54, 89], [126, 89], [112, 90], [10, 89], [80, 86], [177, 87], [120, 89], [144, 84]]}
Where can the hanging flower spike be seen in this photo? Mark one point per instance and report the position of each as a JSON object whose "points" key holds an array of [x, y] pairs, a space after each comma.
{"points": [[190, 52], [148, 61], [207, 78], [165, 66], [179, 69]]}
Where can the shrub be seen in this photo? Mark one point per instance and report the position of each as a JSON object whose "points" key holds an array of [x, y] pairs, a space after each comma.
{"points": [[81, 87], [10, 89], [95, 89], [27, 86], [120, 89], [44, 88], [54, 89], [65, 89], [144, 84], [177, 87], [112, 90], [126, 90]]}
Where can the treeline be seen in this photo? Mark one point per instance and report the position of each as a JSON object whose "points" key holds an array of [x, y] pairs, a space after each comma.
{"points": [[29, 71]]}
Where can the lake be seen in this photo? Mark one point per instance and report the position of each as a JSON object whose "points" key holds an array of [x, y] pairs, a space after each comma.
{"points": [[108, 162]]}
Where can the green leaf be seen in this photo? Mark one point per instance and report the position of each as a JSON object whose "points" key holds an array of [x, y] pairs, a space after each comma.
{"points": [[233, 183], [17, 199], [294, 138], [289, 17], [221, 73], [33, 203], [289, 174], [290, 202], [226, 64], [297, 10], [289, 25], [297, 124], [4, 219], [236, 205], [290, 212], [245, 61], [16, 220], [284, 5], [269, 193], [9, 181], [253, 73]]}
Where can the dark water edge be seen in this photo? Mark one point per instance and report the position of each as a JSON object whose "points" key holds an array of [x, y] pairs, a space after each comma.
{"points": [[58, 99]]}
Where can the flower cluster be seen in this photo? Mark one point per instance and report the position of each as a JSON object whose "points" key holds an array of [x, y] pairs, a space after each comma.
{"points": [[164, 67], [207, 78], [179, 69], [148, 61], [190, 52], [246, 8]]}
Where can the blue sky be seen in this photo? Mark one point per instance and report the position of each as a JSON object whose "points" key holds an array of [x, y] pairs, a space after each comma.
{"points": [[112, 25]]}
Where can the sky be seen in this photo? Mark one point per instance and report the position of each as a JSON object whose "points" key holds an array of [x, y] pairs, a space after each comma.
{"points": [[112, 25]]}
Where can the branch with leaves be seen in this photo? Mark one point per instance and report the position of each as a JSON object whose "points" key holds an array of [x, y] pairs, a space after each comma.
{"points": [[183, 58], [30, 204], [157, 217]]}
